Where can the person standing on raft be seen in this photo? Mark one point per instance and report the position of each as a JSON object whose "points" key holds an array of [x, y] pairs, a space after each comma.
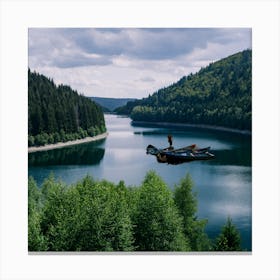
{"points": [[170, 140]]}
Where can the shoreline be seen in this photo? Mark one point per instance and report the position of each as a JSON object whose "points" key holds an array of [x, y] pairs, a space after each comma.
{"points": [[206, 126], [68, 143]]}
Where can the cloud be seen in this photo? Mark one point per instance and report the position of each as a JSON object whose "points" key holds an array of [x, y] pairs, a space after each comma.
{"points": [[75, 47], [147, 79], [128, 62], [79, 60]]}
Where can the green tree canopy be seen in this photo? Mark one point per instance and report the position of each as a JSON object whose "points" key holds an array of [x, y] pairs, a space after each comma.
{"points": [[158, 224], [36, 240], [95, 215], [58, 113], [229, 238], [186, 202], [89, 216], [219, 94]]}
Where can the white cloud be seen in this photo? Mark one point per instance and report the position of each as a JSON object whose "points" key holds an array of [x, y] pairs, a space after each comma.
{"points": [[128, 62]]}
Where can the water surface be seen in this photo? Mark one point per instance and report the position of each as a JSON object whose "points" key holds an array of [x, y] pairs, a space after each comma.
{"points": [[223, 185]]}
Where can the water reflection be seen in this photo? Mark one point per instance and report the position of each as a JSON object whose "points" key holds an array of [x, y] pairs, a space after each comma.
{"points": [[232, 157], [86, 154], [121, 156], [194, 136], [223, 185], [235, 150]]}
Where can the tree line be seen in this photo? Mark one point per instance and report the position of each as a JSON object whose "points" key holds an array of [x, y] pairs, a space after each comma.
{"points": [[110, 104], [58, 113], [96, 215], [219, 94]]}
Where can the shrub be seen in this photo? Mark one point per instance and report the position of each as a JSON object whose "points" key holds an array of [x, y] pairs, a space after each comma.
{"points": [[41, 139], [31, 140]]}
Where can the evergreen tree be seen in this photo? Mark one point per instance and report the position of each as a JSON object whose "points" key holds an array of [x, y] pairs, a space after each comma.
{"points": [[219, 94], [55, 109], [101, 216], [187, 205], [158, 226], [36, 240], [229, 238], [89, 216]]}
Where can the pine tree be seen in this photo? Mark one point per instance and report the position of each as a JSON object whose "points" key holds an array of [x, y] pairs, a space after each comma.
{"points": [[187, 204], [158, 226], [229, 238], [219, 94], [36, 239], [52, 109]]}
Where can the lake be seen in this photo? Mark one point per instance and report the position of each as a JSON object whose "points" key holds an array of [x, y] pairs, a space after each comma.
{"points": [[223, 185]]}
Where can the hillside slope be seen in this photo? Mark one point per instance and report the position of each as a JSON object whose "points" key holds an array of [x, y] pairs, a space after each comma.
{"points": [[58, 113], [109, 103], [219, 94]]}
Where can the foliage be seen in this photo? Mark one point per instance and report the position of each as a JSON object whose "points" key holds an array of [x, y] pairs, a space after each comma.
{"points": [[102, 216], [36, 240], [219, 94], [229, 238], [187, 204], [58, 113], [158, 225], [89, 216], [110, 104]]}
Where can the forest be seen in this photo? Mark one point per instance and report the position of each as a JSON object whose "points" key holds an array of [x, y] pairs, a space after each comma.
{"points": [[59, 114], [93, 215], [219, 94], [110, 104]]}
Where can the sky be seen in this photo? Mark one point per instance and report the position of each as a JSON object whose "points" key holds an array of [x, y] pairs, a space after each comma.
{"points": [[128, 62]]}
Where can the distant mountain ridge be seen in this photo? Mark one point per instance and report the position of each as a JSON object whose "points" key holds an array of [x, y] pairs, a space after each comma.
{"points": [[110, 104], [219, 94]]}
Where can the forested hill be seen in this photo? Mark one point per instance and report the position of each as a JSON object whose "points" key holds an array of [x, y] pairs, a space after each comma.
{"points": [[110, 104], [219, 94], [58, 113]]}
